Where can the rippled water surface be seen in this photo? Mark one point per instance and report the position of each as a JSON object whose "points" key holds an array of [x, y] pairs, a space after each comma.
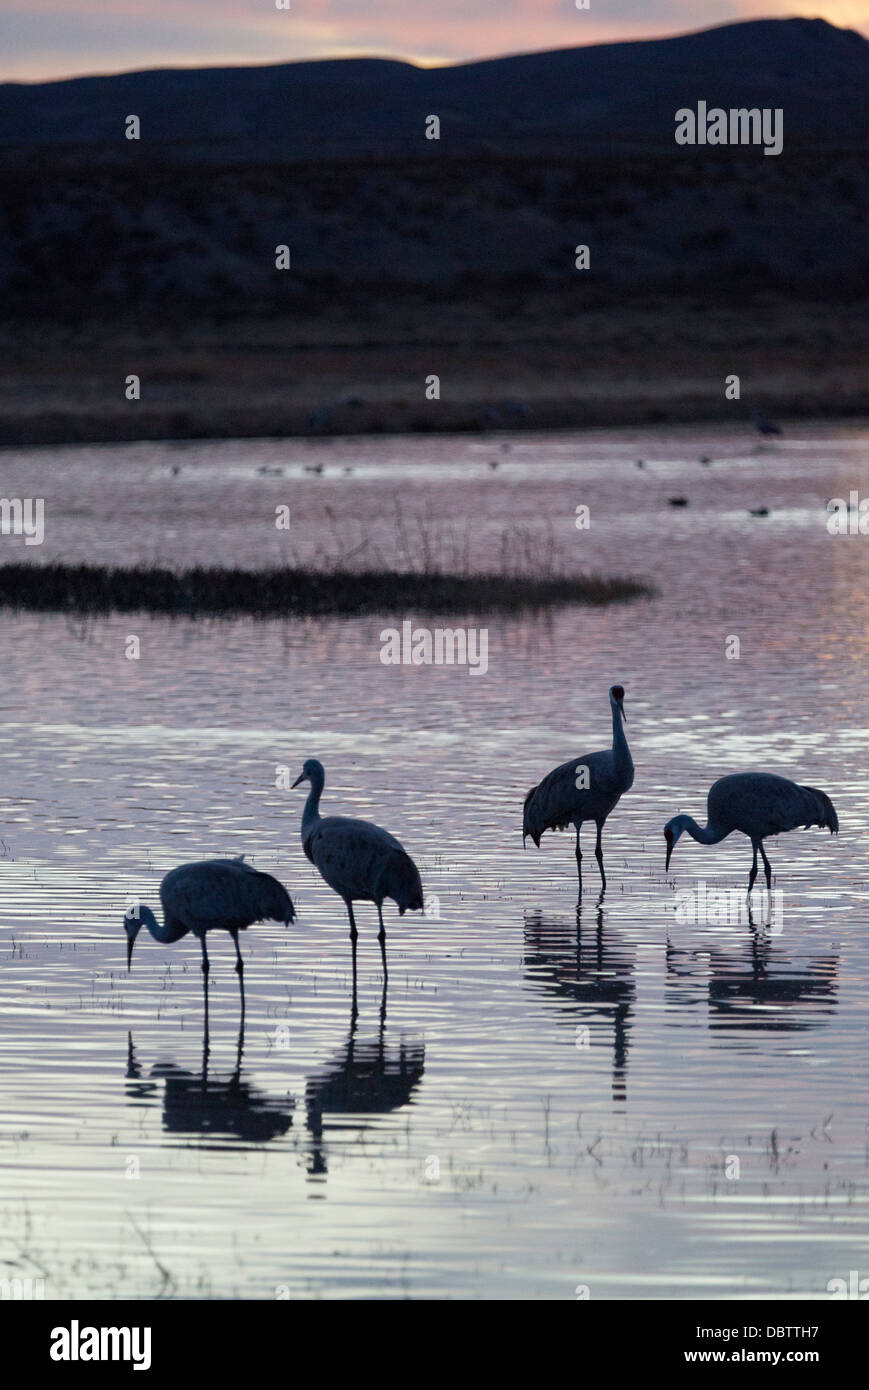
{"points": [[618, 1101]]}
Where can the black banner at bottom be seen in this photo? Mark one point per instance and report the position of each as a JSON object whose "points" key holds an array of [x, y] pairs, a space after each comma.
{"points": [[81, 1339]]}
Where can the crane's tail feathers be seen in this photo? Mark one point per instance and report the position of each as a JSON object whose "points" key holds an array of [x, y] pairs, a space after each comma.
{"points": [[403, 885], [529, 827], [416, 906], [414, 903], [286, 911], [826, 811]]}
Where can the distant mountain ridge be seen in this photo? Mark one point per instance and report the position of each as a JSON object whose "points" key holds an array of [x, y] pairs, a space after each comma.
{"points": [[597, 96], [539, 154]]}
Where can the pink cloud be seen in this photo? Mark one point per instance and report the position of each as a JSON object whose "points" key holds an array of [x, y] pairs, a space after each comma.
{"points": [[52, 38]]}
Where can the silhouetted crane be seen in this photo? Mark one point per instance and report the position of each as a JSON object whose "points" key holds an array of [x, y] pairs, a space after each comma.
{"points": [[758, 804], [212, 894], [359, 861], [586, 788]]}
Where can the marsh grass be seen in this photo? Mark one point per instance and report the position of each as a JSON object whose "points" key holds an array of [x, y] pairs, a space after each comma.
{"points": [[424, 544], [295, 592]]}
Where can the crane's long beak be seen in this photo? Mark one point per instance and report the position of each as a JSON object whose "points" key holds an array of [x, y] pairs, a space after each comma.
{"points": [[300, 778], [129, 952], [669, 853], [622, 713]]}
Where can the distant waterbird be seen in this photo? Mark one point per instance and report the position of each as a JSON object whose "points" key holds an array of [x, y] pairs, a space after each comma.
{"points": [[212, 894], [320, 419], [360, 861], [587, 788], [763, 426], [758, 804]]}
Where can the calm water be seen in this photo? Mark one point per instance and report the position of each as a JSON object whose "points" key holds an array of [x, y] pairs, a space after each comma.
{"points": [[471, 1145]]}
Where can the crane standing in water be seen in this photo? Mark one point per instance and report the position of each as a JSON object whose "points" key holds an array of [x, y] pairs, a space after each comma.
{"points": [[757, 804], [212, 894], [586, 788], [360, 861]]}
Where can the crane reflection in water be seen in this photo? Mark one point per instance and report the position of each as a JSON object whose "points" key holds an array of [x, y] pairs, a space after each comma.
{"points": [[755, 986], [196, 1103], [589, 974], [366, 1077]]}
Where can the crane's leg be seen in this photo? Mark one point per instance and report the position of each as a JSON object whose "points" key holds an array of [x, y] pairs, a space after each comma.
{"points": [[205, 969], [381, 937], [239, 970], [353, 935], [598, 854], [579, 857], [753, 875], [767, 868]]}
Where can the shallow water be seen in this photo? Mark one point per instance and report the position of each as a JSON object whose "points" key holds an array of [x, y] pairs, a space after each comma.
{"points": [[549, 1105]]}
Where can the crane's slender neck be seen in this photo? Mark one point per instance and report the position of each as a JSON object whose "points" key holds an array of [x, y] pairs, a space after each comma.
{"points": [[311, 813], [708, 834], [165, 931], [621, 752]]}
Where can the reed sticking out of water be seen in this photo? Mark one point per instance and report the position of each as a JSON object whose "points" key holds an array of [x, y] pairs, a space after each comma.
{"points": [[295, 592]]}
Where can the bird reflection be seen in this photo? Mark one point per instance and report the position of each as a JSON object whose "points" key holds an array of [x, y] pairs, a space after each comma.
{"points": [[593, 971], [366, 1077], [755, 987], [196, 1103]]}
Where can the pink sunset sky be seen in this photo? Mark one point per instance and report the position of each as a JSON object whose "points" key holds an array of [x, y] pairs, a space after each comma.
{"points": [[42, 39]]}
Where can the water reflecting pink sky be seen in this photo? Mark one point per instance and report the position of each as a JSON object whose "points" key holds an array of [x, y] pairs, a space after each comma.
{"points": [[474, 1146]]}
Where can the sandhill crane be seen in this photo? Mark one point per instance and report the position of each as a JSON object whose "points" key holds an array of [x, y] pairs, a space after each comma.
{"points": [[212, 894], [586, 788], [359, 861], [758, 804]]}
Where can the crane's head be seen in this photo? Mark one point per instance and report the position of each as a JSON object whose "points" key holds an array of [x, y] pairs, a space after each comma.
{"points": [[672, 830], [132, 926], [313, 772], [617, 698]]}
